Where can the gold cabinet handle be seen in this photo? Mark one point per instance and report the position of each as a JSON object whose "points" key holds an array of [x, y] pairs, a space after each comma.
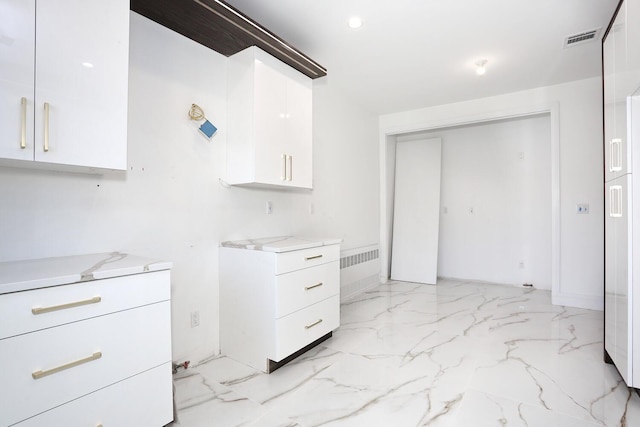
{"points": [[306, 288], [46, 126], [289, 165], [40, 374], [42, 310], [317, 322], [283, 168], [309, 258], [23, 123]]}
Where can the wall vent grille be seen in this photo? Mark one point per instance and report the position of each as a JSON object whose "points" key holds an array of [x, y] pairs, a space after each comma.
{"points": [[581, 38], [355, 259]]}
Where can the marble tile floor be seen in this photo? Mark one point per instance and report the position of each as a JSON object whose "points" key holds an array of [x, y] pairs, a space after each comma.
{"points": [[454, 354]]}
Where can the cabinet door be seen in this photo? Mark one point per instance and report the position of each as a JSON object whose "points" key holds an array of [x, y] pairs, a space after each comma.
{"points": [[298, 133], [608, 65], [270, 114], [17, 41], [617, 149], [617, 279], [81, 73], [633, 40]]}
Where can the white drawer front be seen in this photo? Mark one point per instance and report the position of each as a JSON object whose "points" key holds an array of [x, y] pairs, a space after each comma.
{"points": [[301, 328], [296, 260], [129, 342], [95, 298], [143, 400], [302, 288]]}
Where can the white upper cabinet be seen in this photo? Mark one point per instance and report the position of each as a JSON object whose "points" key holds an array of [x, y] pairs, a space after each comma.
{"points": [[64, 82], [269, 140]]}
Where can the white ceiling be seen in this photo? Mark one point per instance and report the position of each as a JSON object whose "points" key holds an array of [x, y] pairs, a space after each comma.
{"points": [[418, 53]]}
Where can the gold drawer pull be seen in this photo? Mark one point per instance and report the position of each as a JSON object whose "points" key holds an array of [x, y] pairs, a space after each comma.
{"points": [[312, 257], [39, 374], [42, 310], [317, 322], [306, 288]]}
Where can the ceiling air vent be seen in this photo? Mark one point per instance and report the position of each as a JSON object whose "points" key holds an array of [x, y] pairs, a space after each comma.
{"points": [[581, 38]]}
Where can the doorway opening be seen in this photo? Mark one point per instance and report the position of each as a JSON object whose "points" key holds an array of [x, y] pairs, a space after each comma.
{"points": [[516, 186]]}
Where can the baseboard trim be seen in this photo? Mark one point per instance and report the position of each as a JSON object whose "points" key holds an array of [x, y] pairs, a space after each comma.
{"points": [[578, 301]]}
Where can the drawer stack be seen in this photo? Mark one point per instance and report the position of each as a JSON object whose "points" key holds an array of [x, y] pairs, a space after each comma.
{"points": [[90, 353], [275, 304]]}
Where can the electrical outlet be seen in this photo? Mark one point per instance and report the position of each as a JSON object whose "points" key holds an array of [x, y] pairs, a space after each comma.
{"points": [[269, 208], [521, 265], [195, 319], [471, 210], [582, 208]]}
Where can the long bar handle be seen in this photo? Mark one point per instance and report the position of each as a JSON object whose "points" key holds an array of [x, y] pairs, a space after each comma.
{"points": [[615, 201], [42, 310], [615, 155], [317, 322], [317, 285], [23, 123], [46, 126], [309, 258], [40, 374], [289, 168], [283, 168]]}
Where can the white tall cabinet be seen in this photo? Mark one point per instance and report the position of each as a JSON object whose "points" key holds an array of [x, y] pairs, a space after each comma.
{"points": [[621, 72], [64, 83], [269, 135]]}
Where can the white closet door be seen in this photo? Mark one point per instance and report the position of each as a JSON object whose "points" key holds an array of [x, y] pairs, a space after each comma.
{"points": [[416, 217]]}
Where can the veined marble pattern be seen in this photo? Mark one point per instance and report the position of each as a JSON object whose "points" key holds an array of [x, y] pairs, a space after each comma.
{"points": [[406, 354]]}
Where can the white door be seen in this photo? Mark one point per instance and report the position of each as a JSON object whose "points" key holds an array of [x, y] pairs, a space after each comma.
{"points": [[416, 216]]}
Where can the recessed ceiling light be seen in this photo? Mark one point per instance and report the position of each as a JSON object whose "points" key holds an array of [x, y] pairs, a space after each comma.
{"points": [[87, 64], [481, 67], [355, 22]]}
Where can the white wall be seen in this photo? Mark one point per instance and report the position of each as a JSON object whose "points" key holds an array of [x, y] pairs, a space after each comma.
{"points": [[502, 170], [170, 205], [577, 118]]}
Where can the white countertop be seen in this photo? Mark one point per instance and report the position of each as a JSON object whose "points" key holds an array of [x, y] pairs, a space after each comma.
{"points": [[280, 244], [41, 273]]}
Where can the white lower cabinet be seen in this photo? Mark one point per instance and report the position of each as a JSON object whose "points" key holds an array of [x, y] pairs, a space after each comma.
{"points": [[274, 304], [88, 354]]}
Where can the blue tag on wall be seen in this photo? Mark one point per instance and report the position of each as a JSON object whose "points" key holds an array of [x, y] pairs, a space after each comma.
{"points": [[208, 129]]}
